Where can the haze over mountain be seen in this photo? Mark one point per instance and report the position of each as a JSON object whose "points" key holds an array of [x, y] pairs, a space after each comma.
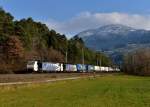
{"points": [[116, 39]]}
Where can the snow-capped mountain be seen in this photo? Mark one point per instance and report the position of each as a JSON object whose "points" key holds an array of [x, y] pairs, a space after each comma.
{"points": [[108, 29], [115, 39]]}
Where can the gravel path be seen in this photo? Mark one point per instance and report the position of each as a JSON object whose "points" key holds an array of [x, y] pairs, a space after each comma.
{"points": [[10, 79], [43, 81]]}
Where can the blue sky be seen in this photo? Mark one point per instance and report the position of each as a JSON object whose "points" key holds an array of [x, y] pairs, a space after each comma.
{"points": [[64, 9], [66, 16]]}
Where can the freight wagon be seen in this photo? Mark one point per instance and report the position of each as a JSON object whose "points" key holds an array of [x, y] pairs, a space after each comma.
{"points": [[90, 68], [97, 68], [70, 68], [50, 67], [81, 67]]}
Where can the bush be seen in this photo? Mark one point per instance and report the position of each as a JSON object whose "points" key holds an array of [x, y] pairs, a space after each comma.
{"points": [[15, 67]]}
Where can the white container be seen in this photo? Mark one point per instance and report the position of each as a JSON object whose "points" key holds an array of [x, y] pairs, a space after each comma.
{"points": [[106, 69], [102, 68], [110, 69], [117, 69], [70, 67], [48, 66], [97, 68]]}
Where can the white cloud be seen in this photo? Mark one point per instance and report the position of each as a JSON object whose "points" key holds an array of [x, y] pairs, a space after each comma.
{"points": [[87, 20]]}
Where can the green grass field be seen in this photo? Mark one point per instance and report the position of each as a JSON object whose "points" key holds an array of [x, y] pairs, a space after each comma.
{"points": [[106, 91]]}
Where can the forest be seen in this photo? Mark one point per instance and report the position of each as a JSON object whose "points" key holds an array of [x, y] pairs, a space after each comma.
{"points": [[26, 39]]}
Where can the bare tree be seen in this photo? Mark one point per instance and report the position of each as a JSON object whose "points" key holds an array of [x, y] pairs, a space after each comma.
{"points": [[138, 62]]}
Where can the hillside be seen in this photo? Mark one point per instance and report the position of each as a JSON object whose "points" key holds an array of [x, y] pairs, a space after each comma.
{"points": [[115, 40]]}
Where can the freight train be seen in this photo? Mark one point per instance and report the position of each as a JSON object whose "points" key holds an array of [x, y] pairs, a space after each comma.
{"points": [[37, 66]]}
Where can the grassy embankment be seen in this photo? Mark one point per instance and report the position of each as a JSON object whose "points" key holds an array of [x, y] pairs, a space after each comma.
{"points": [[106, 91]]}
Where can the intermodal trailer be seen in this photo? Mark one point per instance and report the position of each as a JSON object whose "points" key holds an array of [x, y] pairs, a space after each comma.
{"points": [[90, 68], [81, 67], [97, 68], [116, 69], [105, 69], [70, 68], [52, 67], [102, 68], [110, 69]]}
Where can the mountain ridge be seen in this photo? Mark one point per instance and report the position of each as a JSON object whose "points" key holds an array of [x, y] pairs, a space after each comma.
{"points": [[115, 39]]}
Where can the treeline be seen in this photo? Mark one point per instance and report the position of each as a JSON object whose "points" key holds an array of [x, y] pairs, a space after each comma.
{"points": [[26, 39], [137, 62]]}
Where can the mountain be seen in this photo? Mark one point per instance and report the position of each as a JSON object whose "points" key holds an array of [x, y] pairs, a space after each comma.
{"points": [[115, 39]]}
